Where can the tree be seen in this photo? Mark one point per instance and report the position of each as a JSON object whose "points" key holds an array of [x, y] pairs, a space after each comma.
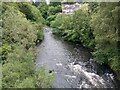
{"points": [[105, 25]]}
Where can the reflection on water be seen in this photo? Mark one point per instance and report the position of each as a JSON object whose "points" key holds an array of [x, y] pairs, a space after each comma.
{"points": [[71, 63]]}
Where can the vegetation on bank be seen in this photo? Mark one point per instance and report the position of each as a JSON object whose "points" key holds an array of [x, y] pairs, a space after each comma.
{"points": [[95, 25], [105, 24], [22, 25], [49, 12]]}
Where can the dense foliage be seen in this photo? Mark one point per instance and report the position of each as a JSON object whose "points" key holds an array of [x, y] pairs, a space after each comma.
{"points": [[49, 11], [105, 25], [43, 8], [95, 25], [20, 34], [75, 27]]}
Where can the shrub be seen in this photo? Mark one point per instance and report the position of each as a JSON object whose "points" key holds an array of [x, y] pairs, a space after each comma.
{"points": [[50, 19], [75, 27], [43, 8], [57, 22], [52, 10], [31, 12], [19, 37], [44, 78], [105, 24], [19, 71]]}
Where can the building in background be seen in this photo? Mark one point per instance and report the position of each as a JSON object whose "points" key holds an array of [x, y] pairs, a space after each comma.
{"points": [[70, 8]]}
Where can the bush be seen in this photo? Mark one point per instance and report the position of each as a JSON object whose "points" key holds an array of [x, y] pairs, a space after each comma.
{"points": [[44, 78], [31, 12], [105, 28], [95, 28], [50, 19], [17, 29], [19, 66], [20, 72], [53, 10], [105, 24], [18, 55], [49, 11], [57, 22], [39, 29], [43, 8], [75, 27]]}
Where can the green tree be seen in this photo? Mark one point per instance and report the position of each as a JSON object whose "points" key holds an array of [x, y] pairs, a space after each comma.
{"points": [[43, 7], [20, 33], [105, 25]]}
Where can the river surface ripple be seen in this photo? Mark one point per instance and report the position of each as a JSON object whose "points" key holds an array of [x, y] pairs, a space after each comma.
{"points": [[72, 64]]}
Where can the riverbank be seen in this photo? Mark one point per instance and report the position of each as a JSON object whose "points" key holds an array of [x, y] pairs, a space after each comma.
{"points": [[72, 64]]}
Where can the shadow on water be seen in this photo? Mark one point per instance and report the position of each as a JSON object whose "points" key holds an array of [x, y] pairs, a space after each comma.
{"points": [[72, 64]]}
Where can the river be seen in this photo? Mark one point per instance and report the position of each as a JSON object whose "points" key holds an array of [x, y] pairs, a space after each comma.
{"points": [[72, 64]]}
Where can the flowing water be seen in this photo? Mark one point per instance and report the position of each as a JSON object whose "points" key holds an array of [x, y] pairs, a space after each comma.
{"points": [[72, 64]]}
